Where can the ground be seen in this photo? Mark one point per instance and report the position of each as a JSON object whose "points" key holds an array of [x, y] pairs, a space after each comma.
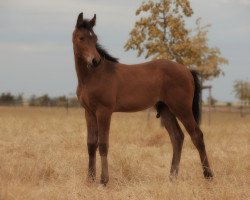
{"points": [[43, 155]]}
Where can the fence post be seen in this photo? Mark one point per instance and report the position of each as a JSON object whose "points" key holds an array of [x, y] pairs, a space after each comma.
{"points": [[209, 87]]}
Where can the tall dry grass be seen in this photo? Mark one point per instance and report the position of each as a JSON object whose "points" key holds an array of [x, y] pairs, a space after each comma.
{"points": [[43, 156]]}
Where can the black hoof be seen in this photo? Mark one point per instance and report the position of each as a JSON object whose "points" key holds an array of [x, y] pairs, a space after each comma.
{"points": [[104, 182], [208, 175]]}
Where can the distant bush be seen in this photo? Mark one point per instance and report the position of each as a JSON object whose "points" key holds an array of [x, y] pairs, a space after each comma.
{"points": [[45, 100], [9, 99]]}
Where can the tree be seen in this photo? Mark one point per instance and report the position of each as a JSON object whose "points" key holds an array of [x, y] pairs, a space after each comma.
{"points": [[62, 101], [242, 91], [204, 59], [44, 100], [7, 99], [161, 33]]}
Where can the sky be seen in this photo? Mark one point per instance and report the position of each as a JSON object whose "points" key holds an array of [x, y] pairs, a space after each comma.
{"points": [[36, 55]]}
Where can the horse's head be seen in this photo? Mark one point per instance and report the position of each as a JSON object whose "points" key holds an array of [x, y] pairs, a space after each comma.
{"points": [[84, 41]]}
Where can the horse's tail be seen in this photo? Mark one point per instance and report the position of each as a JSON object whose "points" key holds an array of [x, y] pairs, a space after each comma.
{"points": [[197, 97]]}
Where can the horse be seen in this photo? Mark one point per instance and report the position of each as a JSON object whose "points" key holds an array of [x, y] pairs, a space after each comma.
{"points": [[106, 86]]}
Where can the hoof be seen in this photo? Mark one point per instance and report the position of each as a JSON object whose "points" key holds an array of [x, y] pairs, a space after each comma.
{"points": [[104, 181], [208, 174]]}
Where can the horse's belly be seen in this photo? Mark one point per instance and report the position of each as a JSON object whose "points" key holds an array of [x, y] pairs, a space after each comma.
{"points": [[136, 101]]}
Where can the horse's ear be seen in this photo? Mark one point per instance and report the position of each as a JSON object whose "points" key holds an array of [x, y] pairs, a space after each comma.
{"points": [[79, 20], [93, 21]]}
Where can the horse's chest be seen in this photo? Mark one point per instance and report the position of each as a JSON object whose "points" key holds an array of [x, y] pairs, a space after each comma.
{"points": [[83, 100], [91, 97], [83, 97], [87, 98]]}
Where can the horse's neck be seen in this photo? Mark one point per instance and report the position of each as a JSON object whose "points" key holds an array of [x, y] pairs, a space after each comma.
{"points": [[81, 69]]}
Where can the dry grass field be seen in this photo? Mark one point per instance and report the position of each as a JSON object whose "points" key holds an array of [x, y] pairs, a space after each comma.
{"points": [[43, 155]]}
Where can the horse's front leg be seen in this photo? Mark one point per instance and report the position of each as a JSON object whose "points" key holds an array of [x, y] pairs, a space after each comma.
{"points": [[103, 120], [92, 140]]}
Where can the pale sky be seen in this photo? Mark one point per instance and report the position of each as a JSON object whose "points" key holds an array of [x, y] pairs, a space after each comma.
{"points": [[36, 55]]}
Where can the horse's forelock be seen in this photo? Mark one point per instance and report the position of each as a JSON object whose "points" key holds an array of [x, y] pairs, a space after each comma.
{"points": [[85, 24]]}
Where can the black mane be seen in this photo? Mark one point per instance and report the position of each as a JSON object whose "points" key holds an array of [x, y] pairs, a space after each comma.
{"points": [[103, 52]]}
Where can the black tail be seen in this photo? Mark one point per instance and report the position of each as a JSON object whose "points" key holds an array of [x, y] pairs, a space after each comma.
{"points": [[197, 97]]}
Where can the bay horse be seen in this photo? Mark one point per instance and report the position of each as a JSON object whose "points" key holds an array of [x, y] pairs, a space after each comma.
{"points": [[106, 86]]}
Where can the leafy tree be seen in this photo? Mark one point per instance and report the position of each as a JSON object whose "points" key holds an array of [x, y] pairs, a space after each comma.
{"points": [[7, 99], [161, 33], [204, 59], [242, 91], [61, 101], [43, 100]]}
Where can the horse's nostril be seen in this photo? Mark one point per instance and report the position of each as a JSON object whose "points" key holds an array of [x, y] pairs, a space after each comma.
{"points": [[94, 62]]}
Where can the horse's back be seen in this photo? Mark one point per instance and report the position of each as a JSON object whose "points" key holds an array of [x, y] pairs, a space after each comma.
{"points": [[162, 69], [142, 85]]}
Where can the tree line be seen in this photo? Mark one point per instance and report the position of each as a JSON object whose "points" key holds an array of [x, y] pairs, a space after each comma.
{"points": [[241, 90], [8, 99]]}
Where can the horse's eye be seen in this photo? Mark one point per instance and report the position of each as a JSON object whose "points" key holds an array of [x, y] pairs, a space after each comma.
{"points": [[82, 38]]}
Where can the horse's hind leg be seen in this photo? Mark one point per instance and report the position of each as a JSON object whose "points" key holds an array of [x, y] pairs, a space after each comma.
{"points": [[176, 136], [197, 138]]}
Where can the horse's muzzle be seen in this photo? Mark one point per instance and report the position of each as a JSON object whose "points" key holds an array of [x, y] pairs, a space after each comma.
{"points": [[95, 62]]}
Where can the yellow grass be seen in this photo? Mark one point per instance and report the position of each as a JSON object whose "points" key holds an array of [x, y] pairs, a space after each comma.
{"points": [[43, 156]]}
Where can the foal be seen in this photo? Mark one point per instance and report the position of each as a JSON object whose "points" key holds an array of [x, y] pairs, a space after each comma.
{"points": [[106, 86]]}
